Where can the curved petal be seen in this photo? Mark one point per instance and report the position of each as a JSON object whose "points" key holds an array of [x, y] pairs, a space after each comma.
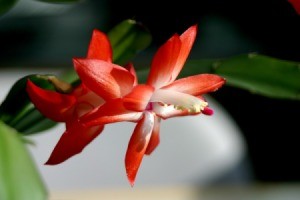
{"points": [[110, 112], [82, 108], [91, 98], [53, 105], [197, 85], [137, 145], [187, 40], [86, 96], [73, 141], [131, 69], [100, 47], [170, 58], [124, 78], [155, 139], [163, 63], [105, 79], [138, 98]]}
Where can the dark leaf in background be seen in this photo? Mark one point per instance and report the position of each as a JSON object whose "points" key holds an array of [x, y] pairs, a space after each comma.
{"points": [[262, 75], [6, 5], [127, 39]]}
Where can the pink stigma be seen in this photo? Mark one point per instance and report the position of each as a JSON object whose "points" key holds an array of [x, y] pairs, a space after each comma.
{"points": [[208, 111]]}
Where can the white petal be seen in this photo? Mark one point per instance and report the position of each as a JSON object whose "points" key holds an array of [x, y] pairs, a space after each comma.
{"points": [[180, 101]]}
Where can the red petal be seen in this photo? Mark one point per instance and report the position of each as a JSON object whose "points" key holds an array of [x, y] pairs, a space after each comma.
{"points": [[197, 85], [105, 79], [163, 63], [170, 58], [125, 79], [296, 5], [52, 104], [110, 112], [100, 47], [137, 145], [187, 41], [139, 97], [154, 140], [73, 141], [131, 69], [90, 98]]}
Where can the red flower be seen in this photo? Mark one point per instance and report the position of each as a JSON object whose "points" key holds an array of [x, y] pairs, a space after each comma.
{"points": [[161, 97], [68, 107], [296, 5]]}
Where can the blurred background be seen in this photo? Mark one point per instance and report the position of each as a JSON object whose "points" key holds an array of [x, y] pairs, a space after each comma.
{"points": [[34, 34]]}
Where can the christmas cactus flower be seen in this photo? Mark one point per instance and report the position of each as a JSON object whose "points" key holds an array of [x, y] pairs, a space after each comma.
{"points": [[67, 104], [161, 97]]}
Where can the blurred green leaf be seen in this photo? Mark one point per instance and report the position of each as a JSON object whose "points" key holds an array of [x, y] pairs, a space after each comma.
{"points": [[33, 122], [127, 39], [19, 177], [259, 74], [70, 76], [6, 5], [262, 75]]}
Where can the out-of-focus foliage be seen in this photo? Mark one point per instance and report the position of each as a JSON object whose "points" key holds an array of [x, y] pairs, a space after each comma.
{"points": [[19, 177], [256, 73], [6, 5]]}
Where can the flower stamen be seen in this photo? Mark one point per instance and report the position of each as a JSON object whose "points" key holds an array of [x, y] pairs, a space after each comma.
{"points": [[195, 108], [180, 101]]}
